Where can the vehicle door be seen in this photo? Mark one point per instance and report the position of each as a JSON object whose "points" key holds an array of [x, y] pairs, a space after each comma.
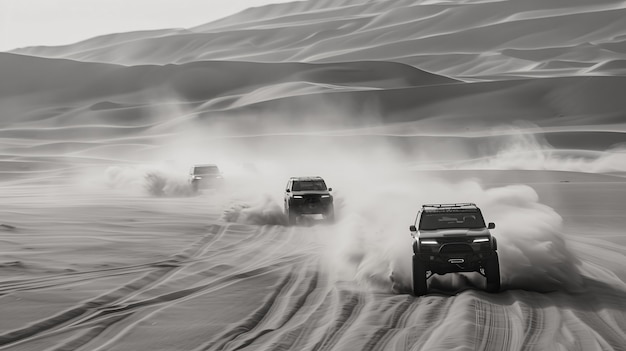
{"points": [[288, 191]]}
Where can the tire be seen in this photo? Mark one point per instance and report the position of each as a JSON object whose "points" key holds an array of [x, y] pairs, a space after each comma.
{"points": [[330, 214], [291, 217], [419, 277], [492, 273]]}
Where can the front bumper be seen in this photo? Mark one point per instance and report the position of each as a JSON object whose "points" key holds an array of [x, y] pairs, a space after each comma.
{"points": [[205, 183], [454, 256], [308, 206]]}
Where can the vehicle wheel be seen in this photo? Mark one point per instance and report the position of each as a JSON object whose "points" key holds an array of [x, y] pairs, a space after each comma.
{"points": [[292, 217], [419, 277], [330, 214], [492, 273]]}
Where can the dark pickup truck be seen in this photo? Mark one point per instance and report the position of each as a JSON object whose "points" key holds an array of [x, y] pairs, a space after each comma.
{"points": [[453, 238], [308, 195]]}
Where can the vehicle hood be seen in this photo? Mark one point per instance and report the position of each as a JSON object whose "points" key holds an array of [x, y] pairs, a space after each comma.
{"points": [[311, 192], [456, 232]]}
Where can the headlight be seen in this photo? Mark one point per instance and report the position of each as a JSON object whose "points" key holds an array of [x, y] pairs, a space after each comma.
{"points": [[481, 240], [197, 178], [297, 196], [429, 242], [325, 196]]}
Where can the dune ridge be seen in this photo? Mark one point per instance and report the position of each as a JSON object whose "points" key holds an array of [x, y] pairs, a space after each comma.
{"points": [[489, 37], [144, 107]]}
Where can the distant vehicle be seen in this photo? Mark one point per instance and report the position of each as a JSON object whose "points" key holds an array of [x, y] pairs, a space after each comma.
{"points": [[205, 176], [453, 238], [308, 195]]}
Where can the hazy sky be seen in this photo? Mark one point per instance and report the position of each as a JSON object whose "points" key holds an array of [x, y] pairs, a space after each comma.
{"points": [[59, 22]]}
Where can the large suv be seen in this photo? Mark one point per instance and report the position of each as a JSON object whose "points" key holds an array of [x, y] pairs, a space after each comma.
{"points": [[308, 195], [453, 238], [204, 176]]}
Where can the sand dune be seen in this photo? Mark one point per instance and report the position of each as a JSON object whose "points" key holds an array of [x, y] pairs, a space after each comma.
{"points": [[515, 105], [495, 38], [192, 81], [98, 42], [103, 109], [381, 93]]}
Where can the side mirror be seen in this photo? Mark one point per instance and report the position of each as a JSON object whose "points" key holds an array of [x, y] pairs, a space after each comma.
{"points": [[287, 190], [412, 228], [330, 189], [491, 225]]}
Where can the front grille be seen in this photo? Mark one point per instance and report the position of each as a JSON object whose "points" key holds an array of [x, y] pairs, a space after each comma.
{"points": [[449, 240], [455, 249], [311, 199]]}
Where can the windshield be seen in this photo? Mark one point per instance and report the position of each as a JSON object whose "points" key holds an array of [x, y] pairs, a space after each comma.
{"points": [[206, 170], [305, 185], [448, 220]]}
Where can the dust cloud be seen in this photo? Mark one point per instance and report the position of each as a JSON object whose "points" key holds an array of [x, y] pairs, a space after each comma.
{"points": [[373, 244], [377, 196], [264, 212], [148, 179], [524, 147]]}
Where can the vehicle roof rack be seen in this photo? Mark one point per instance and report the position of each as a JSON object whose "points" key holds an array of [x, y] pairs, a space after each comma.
{"points": [[462, 204]]}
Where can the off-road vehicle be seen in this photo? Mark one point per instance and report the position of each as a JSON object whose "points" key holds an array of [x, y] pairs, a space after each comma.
{"points": [[453, 238], [205, 176], [308, 195]]}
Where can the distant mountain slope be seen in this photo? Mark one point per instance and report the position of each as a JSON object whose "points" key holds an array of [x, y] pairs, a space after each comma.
{"points": [[60, 85], [288, 97], [32, 74], [471, 39]]}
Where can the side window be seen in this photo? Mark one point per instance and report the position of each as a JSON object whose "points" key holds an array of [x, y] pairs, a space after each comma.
{"points": [[321, 185], [288, 185]]}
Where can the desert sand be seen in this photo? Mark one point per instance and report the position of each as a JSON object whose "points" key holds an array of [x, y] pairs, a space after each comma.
{"points": [[515, 105]]}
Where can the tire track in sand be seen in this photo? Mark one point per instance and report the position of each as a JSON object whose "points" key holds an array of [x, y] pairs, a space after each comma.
{"points": [[217, 260], [416, 328], [194, 253], [382, 337], [114, 316], [176, 263], [307, 315], [73, 278], [492, 326], [8, 287], [66, 316], [534, 324], [166, 300], [275, 312], [291, 304], [76, 342], [91, 306], [349, 311]]}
